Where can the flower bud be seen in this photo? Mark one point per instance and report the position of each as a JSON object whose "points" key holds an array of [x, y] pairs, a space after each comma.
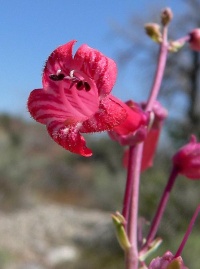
{"points": [[151, 248], [187, 159], [195, 39], [167, 261], [175, 46], [153, 30], [119, 221], [166, 16]]}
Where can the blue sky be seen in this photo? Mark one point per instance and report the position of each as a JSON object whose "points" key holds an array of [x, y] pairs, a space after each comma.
{"points": [[31, 29]]}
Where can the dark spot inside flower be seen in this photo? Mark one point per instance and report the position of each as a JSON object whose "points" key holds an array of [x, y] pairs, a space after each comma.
{"points": [[87, 86], [80, 85], [83, 85], [57, 77]]}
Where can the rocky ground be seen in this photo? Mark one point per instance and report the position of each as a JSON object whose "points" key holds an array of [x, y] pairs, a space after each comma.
{"points": [[54, 236]]}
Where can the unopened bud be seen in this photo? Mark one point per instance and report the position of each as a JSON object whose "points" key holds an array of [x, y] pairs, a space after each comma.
{"points": [[167, 261], [152, 247], [175, 46], [175, 264], [187, 159], [122, 237], [153, 30], [166, 16], [195, 39]]}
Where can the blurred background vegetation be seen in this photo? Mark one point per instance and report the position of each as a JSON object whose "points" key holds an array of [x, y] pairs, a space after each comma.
{"points": [[35, 171]]}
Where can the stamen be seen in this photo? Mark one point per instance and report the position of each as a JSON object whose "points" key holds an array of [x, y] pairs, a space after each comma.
{"points": [[58, 72], [80, 83], [71, 74], [58, 77]]}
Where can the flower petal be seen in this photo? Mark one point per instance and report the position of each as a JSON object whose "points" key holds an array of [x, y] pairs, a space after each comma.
{"points": [[69, 138], [135, 118], [150, 145], [60, 59], [45, 108], [109, 115], [67, 105], [98, 67]]}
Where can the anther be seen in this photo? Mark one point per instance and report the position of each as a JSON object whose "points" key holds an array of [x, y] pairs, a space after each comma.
{"points": [[58, 77], [87, 86], [80, 85], [83, 85]]}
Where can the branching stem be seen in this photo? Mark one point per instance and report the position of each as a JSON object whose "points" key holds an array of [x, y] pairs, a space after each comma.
{"points": [[131, 197]]}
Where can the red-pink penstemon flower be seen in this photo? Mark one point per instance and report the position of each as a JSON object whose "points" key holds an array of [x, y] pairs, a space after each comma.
{"points": [[167, 261], [76, 98], [150, 137], [187, 159], [134, 128]]}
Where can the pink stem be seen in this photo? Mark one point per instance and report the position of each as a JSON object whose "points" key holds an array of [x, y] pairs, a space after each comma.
{"points": [[133, 217], [159, 71], [189, 229], [129, 184], [130, 205], [132, 255], [161, 208], [183, 39], [153, 96]]}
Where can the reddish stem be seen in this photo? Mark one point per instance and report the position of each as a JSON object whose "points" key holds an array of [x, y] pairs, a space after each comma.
{"points": [[159, 71], [189, 230], [129, 184], [130, 205], [132, 255], [133, 215], [161, 208], [131, 198], [183, 39], [153, 96]]}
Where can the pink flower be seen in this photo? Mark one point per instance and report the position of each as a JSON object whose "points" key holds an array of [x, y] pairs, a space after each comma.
{"points": [[195, 39], [76, 98], [133, 129], [150, 137], [187, 159], [167, 261]]}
